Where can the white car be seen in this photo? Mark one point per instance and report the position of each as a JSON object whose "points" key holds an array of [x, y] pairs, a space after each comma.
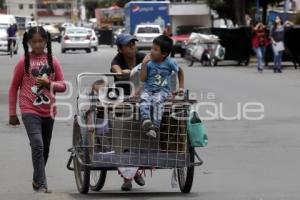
{"points": [[76, 38], [30, 24], [94, 39], [146, 33], [67, 24], [54, 31]]}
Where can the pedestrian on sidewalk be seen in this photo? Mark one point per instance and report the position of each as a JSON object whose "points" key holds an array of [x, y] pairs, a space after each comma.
{"points": [[277, 38], [260, 43], [37, 77]]}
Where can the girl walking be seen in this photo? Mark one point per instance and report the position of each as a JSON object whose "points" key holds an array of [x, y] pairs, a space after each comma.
{"points": [[37, 77], [259, 44], [277, 39]]}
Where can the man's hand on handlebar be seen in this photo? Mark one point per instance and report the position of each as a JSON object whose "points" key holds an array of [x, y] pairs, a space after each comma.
{"points": [[124, 75]]}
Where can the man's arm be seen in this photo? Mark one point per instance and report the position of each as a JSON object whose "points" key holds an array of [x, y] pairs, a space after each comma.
{"points": [[143, 75], [116, 69]]}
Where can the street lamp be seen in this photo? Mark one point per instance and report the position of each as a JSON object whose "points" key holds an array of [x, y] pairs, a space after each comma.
{"points": [[257, 11]]}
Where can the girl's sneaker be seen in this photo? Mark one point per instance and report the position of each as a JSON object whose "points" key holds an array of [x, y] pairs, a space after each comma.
{"points": [[44, 190], [35, 186]]}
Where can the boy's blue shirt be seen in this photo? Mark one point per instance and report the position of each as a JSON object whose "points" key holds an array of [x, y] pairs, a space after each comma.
{"points": [[159, 74]]}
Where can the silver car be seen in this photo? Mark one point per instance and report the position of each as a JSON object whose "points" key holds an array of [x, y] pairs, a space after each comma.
{"points": [[94, 39], [146, 33], [76, 38]]}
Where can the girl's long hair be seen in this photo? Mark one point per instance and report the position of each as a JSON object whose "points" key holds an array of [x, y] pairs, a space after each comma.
{"points": [[28, 35], [275, 24]]}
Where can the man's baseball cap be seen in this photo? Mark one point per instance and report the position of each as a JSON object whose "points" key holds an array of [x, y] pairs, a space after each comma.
{"points": [[124, 39]]}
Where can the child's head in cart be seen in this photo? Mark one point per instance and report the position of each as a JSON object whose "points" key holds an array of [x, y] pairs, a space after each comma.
{"points": [[97, 88]]}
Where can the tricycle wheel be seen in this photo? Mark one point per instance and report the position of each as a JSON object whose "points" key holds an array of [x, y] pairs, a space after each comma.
{"points": [[191, 63], [97, 180], [82, 173], [186, 175]]}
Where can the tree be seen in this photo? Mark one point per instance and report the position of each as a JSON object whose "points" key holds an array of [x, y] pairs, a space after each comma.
{"points": [[240, 12], [224, 9], [264, 4], [235, 10], [2, 4]]}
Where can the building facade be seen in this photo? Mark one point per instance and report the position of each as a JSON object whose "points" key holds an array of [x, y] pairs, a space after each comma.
{"points": [[24, 8], [44, 11]]}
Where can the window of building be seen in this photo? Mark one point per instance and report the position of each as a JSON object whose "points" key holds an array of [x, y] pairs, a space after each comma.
{"points": [[30, 6], [21, 6]]}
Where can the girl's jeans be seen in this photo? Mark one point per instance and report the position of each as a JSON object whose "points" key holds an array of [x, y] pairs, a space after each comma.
{"points": [[277, 59], [260, 52], [156, 101], [39, 131]]}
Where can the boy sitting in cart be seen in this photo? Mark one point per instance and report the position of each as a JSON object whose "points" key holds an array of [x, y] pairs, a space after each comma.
{"points": [[156, 72]]}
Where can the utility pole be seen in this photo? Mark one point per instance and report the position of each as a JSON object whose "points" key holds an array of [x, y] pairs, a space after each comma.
{"points": [[257, 17], [286, 5]]}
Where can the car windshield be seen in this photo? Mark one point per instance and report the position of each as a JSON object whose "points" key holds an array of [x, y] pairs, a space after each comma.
{"points": [[148, 30], [77, 31]]}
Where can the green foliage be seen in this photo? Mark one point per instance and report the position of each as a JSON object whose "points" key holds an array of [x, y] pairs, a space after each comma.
{"points": [[2, 4], [231, 9]]}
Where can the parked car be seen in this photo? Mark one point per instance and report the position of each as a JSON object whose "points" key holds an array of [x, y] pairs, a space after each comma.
{"points": [[146, 34], [67, 24], [54, 32], [30, 24], [94, 39], [76, 38]]}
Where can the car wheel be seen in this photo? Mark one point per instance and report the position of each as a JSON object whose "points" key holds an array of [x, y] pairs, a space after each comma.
{"points": [[63, 51], [95, 48], [89, 50]]}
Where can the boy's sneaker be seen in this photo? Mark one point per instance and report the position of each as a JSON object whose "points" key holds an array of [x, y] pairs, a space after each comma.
{"points": [[35, 186], [146, 124], [152, 132]]}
